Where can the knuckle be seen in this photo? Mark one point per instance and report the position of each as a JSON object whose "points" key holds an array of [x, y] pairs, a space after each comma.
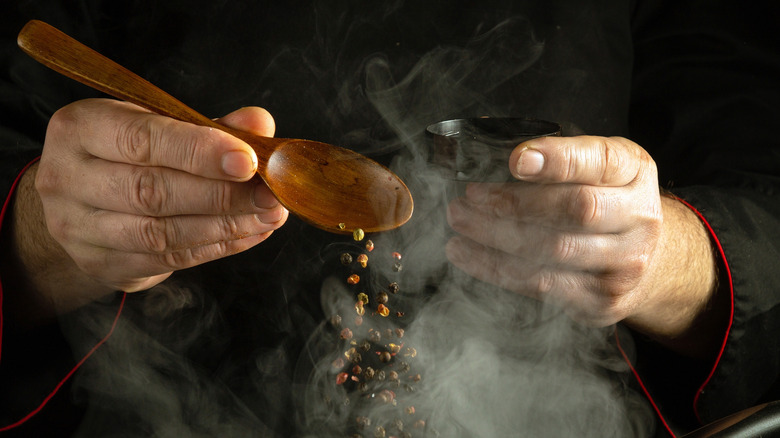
{"points": [[62, 120], [545, 282], [588, 207], [47, 180], [228, 226], [148, 193], [612, 161], [134, 139], [60, 228], [566, 248], [221, 198], [153, 235]]}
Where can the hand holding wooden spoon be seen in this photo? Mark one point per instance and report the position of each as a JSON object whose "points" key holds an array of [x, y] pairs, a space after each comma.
{"points": [[332, 188]]}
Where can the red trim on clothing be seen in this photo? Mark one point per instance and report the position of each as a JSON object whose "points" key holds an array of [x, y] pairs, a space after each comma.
{"points": [[72, 371], [6, 204], [642, 386], [725, 336], [731, 311], [35, 411]]}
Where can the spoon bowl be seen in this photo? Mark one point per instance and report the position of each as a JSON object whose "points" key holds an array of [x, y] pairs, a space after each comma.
{"points": [[332, 188]]}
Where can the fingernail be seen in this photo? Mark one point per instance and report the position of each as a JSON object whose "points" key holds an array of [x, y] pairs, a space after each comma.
{"points": [[262, 198], [238, 164], [530, 163], [271, 216]]}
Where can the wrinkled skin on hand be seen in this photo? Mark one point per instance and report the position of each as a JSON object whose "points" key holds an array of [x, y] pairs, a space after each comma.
{"points": [[132, 196], [581, 227]]}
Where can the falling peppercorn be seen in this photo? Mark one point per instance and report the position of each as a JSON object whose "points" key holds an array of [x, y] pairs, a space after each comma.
{"points": [[382, 310], [381, 298], [346, 259], [353, 279], [358, 234], [346, 333], [369, 245], [393, 287], [363, 260]]}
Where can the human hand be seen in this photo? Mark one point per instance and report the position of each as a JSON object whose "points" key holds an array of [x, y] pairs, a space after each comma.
{"points": [[582, 228], [132, 196]]}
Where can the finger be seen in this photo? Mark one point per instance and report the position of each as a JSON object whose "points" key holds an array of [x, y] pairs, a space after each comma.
{"points": [[524, 276], [130, 134], [141, 234], [131, 272], [598, 161], [578, 208], [543, 243], [568, 289], [251, 119], [158, 191]]}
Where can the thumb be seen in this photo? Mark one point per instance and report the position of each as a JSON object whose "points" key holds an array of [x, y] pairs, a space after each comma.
{"points": [[589, 160]]}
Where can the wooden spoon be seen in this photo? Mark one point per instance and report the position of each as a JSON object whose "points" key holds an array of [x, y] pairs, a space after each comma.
{"points": [[332, 188]]}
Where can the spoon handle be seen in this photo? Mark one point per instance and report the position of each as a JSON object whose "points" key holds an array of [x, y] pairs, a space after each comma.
{"points": [[63, 54]]}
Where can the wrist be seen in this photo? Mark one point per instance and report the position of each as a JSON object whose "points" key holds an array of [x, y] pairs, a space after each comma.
{"points": [[40, 280], [683, 310]]}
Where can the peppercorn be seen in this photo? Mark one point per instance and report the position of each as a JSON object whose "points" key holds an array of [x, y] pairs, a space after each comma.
{"points": [[346, 333], [363, 422], [341, 378], [393, 287], [363, 260], [353, 279], [382, 310], [359, 308], [369, 373], [399, 332], [346, 258], [374, 336], [335, 321], [381, 297], [385, 356], [386, 396], [358, 234], [369, 245], [397, 267], [397, 256]]}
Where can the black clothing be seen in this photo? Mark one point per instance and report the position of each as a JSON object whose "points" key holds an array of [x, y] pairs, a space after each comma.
{"points": [[227, 343]]}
